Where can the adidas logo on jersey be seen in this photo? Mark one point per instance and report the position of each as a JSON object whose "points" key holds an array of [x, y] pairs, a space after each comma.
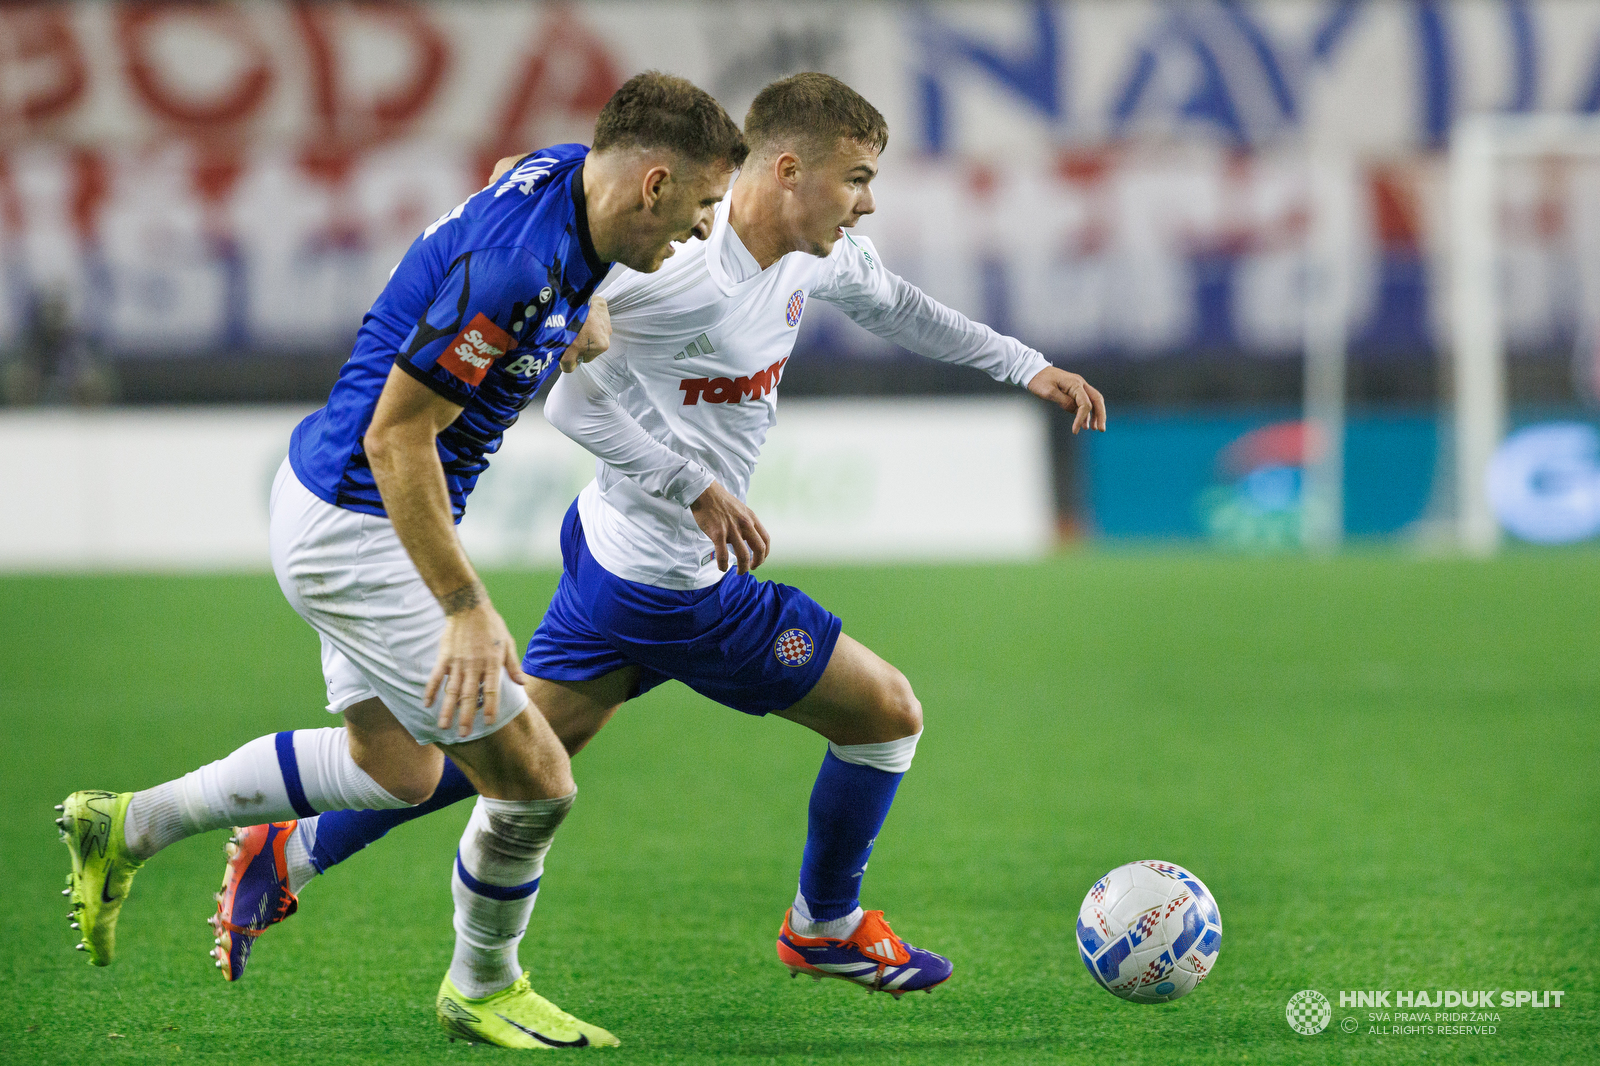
{"points": [[732, 390], [701, 345]]}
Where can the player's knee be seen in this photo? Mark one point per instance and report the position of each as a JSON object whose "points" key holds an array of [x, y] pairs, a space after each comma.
{"points": [[899, 712], [408, 788], [409, 781], [556, 780]]}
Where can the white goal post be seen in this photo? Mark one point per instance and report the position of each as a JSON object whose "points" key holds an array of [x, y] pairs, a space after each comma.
{"points": [[1332, 186], [1478, 351]]}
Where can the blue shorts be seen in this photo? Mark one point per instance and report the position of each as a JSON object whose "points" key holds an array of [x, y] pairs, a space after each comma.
{"points": [[752, 645]]}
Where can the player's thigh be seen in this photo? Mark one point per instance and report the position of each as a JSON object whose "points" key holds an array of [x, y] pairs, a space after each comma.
{"points": [[860, 699], [389, 754], [522, 760], [577, 710], [348, 575]]}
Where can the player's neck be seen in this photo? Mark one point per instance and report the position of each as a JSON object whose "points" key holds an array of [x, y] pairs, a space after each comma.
{"points": [[755, 211], [608, 203]]}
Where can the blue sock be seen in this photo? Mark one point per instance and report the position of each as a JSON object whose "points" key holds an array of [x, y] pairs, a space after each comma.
{"points": [[340, 834], [848, 806]]}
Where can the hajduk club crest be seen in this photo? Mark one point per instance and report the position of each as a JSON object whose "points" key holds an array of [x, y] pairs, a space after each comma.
{"points": [[797, 304], [793, 647]]}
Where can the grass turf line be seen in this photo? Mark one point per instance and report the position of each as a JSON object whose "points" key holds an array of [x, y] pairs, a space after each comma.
{"points": [[1383, 768]]}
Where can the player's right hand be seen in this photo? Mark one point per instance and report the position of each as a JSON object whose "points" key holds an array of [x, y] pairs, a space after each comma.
{"points": [[592, 340], [475, 645], [724, 518]]}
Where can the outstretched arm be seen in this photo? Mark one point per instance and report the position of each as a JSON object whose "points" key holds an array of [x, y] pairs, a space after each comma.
{"points": [[898, 311], [583, 405]]}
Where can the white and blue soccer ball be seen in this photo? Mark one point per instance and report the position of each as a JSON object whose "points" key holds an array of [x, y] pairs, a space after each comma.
{"points": [[1149, 931]]}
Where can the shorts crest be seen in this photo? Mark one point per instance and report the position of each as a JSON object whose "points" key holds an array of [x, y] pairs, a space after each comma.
{"points": [[793, 647]]}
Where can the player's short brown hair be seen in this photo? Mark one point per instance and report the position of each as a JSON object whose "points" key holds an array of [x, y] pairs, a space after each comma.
{"points": [[656, 110], [811, 112]]}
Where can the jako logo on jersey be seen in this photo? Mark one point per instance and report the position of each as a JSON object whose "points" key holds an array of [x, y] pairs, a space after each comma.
{"points": [[797, 305], [556, 322], [732, 390], [475, 349], [527, 175], [793, 647]]}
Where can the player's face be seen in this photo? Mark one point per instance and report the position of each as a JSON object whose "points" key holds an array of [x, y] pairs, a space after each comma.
{"points": [[832, 194], [684, 204]]}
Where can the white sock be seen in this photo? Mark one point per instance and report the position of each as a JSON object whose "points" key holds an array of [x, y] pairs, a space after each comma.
{"points": [[801, 922], [495, 883], [297, 853], [271, 779], [890, 756]]}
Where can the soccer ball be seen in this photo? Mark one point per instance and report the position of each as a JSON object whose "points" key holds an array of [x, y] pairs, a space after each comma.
{"points": [[1149, 931]]}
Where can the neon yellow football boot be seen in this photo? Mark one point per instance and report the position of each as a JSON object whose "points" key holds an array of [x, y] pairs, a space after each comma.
{"points": [[515, 1017], [91, 825]]}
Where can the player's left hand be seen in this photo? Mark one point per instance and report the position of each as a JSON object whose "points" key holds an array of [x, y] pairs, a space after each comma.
{"points": [[1071, 393], [503, 165], [592, 340], [473, 648], [729, 523]]}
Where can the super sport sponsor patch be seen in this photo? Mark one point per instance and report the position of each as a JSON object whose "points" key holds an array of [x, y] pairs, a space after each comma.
{"points": [[475, 349]]}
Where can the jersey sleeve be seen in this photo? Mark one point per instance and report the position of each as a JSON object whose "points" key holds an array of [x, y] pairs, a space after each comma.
{"points": [[474, 321], [896, 310], [624, 290], [583, 405]]}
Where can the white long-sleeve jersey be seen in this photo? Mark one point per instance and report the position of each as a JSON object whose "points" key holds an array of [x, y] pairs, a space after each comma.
{"points": [[689, 387]]}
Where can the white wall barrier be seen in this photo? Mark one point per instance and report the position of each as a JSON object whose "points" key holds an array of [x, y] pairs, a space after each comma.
{"points": [[840, 481]]}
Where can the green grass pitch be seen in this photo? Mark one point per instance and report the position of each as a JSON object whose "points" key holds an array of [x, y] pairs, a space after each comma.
{"points": [[1385, 769]]}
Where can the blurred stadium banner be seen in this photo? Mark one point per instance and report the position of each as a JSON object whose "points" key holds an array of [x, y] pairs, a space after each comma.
{"points": [[1238, 480], [840, 480], [1101, 177]]}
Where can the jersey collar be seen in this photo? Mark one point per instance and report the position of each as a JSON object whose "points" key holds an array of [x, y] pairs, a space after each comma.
{"points": [[580, 207], [717, 247]]}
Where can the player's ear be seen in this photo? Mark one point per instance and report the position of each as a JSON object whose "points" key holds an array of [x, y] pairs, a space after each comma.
{"points": [[656, 180], [786, 168]]}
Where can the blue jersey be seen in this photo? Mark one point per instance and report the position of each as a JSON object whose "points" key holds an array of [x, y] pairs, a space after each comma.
{"points": [[479, 310]]}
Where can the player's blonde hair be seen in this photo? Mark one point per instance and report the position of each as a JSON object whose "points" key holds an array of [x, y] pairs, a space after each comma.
{"points": [[809, 114]]}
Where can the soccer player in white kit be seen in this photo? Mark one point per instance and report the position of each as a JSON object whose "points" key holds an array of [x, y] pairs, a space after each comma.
{"points": [[676, 412]]}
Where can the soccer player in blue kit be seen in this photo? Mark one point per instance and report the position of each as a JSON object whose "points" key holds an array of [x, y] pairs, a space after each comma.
{"points": [[473, 319], [677, 410]]}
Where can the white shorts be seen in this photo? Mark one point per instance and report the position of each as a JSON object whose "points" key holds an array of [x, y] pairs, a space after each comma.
{"points": [[348, 575]]}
